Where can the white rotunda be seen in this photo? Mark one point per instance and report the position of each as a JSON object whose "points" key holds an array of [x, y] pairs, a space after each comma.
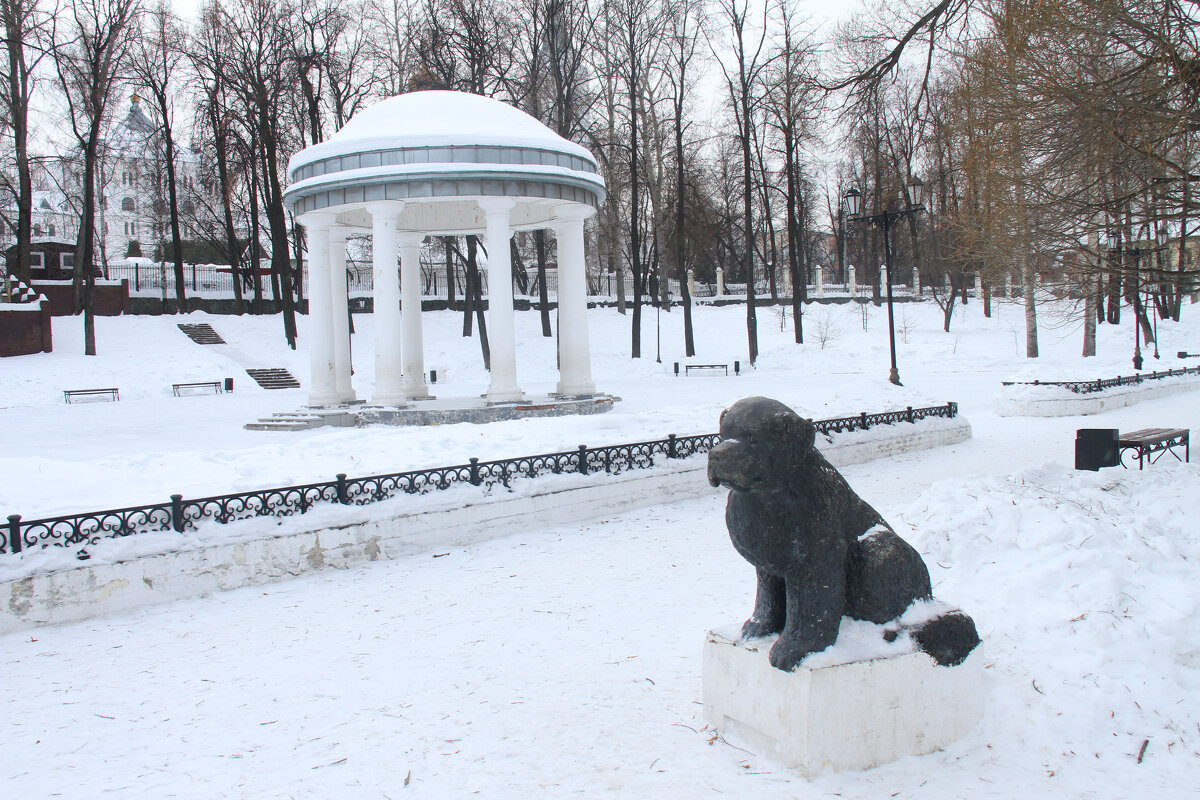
{"points": [[439, 163]]}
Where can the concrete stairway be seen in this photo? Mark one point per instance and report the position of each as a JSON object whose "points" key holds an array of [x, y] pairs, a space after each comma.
{"points": [[201, 333], [304, 420], [274, 378]]}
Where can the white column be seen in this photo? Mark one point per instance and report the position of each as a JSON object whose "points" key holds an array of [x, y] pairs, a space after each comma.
{"points": [[341, 314], [574, 353], [501, 330], [916, 282], [413, 359], [850, 284], [691, 279], [720, 282], [820, 276], [323, 387], [389, 389]]}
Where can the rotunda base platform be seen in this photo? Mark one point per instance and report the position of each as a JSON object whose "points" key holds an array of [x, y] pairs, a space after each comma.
{"points": [[438, 411]]}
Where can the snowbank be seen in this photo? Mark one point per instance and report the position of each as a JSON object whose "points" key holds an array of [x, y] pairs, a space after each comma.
{"points": [[1024, 400]]}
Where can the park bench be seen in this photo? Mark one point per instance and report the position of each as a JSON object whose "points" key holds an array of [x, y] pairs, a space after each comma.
{"points": [[1186, 354], [69, 394], [216, 386], [724, 368], [1148, 441]]}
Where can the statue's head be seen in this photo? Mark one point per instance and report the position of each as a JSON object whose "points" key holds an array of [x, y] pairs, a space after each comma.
{"points": [[762, 443]]}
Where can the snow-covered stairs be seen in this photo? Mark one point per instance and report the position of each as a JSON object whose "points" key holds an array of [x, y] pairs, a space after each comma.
{"points": [[286, 421], [273, 378], [201, 333], [304, 419]]}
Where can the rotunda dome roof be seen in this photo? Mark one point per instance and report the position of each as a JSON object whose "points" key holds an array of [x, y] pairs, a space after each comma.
{"points": [[442, 118], [438, 144]]}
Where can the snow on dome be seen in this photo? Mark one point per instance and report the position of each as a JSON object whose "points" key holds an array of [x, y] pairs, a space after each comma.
{"points": [[443, 147], [433, 118]]}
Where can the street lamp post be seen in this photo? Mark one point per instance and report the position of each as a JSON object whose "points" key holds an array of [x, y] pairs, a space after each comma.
{"points": [[1160, 240], [884, 220], [1117, 248]]}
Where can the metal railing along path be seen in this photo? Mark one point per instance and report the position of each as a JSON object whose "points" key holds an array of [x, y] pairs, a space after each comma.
{"points": [[181, 515], [1100, 384]]}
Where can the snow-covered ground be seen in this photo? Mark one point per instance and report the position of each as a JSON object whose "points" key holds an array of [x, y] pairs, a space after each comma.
{"points": [[566, 661]]}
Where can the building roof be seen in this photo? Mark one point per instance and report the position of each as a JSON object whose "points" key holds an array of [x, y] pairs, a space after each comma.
{"points": [[134, 134]]}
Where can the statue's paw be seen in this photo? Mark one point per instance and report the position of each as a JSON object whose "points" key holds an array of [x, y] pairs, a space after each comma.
{"points": [[755, 628], [787, 653]]}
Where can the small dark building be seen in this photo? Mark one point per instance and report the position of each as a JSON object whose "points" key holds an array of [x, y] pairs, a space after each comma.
{"points": [[50, 259]]}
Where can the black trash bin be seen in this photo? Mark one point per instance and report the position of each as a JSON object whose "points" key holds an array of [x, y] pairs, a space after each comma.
{"points": [[1096, 448]]}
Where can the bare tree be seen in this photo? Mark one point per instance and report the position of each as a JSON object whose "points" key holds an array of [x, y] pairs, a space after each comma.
{"points": [[743, 80], [684, 28], [91, 55], [791, 104], [25, 29], [158, 58], [218, 128], [260, 79]]}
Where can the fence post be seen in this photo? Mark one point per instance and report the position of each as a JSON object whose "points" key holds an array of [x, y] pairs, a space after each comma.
{"points": [[343, 494], [14, 533], [177, 513], [583, 459], [1099, 384], [909, 412], [864, 421], [474, 476], [950, 409], [671, 446]]}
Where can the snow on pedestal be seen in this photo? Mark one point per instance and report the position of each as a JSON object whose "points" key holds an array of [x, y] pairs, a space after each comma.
{"points": [[847, 716]]}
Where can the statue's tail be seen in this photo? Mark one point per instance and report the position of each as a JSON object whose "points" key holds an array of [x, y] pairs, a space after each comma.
{"points": [[948, 639]]}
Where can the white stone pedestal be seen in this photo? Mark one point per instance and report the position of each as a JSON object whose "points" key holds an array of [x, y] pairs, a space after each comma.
{"points": [[845, 717]]}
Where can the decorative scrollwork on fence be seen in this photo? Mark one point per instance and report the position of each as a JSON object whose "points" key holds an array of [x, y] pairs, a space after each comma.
{"points": [[181, 516]]}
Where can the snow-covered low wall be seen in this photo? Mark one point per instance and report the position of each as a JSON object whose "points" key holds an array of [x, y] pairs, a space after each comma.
{"points": [[51, 585], [1024, 400]]}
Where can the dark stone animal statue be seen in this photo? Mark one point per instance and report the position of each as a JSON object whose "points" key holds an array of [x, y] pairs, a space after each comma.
{"points": [[821, 552]]}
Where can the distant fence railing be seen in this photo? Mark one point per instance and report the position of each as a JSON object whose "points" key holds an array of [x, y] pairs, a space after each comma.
{"points": [[1100, 384], [181, 515], [216, 281]]}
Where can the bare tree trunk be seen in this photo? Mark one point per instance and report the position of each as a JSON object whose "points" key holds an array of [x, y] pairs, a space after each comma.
{"points": [[1029, 275], [19, 24], [539, 239], [1091, 280], [447, 242], [473, 270]]}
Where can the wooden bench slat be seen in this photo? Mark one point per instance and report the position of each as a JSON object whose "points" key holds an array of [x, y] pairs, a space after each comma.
{"points": [[1152, 434], [217, 385], [1148, 441], [113, 393]]}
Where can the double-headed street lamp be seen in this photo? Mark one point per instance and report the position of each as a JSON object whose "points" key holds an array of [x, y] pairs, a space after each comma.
{"points": [[884, 219]]}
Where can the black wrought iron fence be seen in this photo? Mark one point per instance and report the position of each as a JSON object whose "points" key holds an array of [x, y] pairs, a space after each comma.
{"points": [[1100, 384], [181, 515]]}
